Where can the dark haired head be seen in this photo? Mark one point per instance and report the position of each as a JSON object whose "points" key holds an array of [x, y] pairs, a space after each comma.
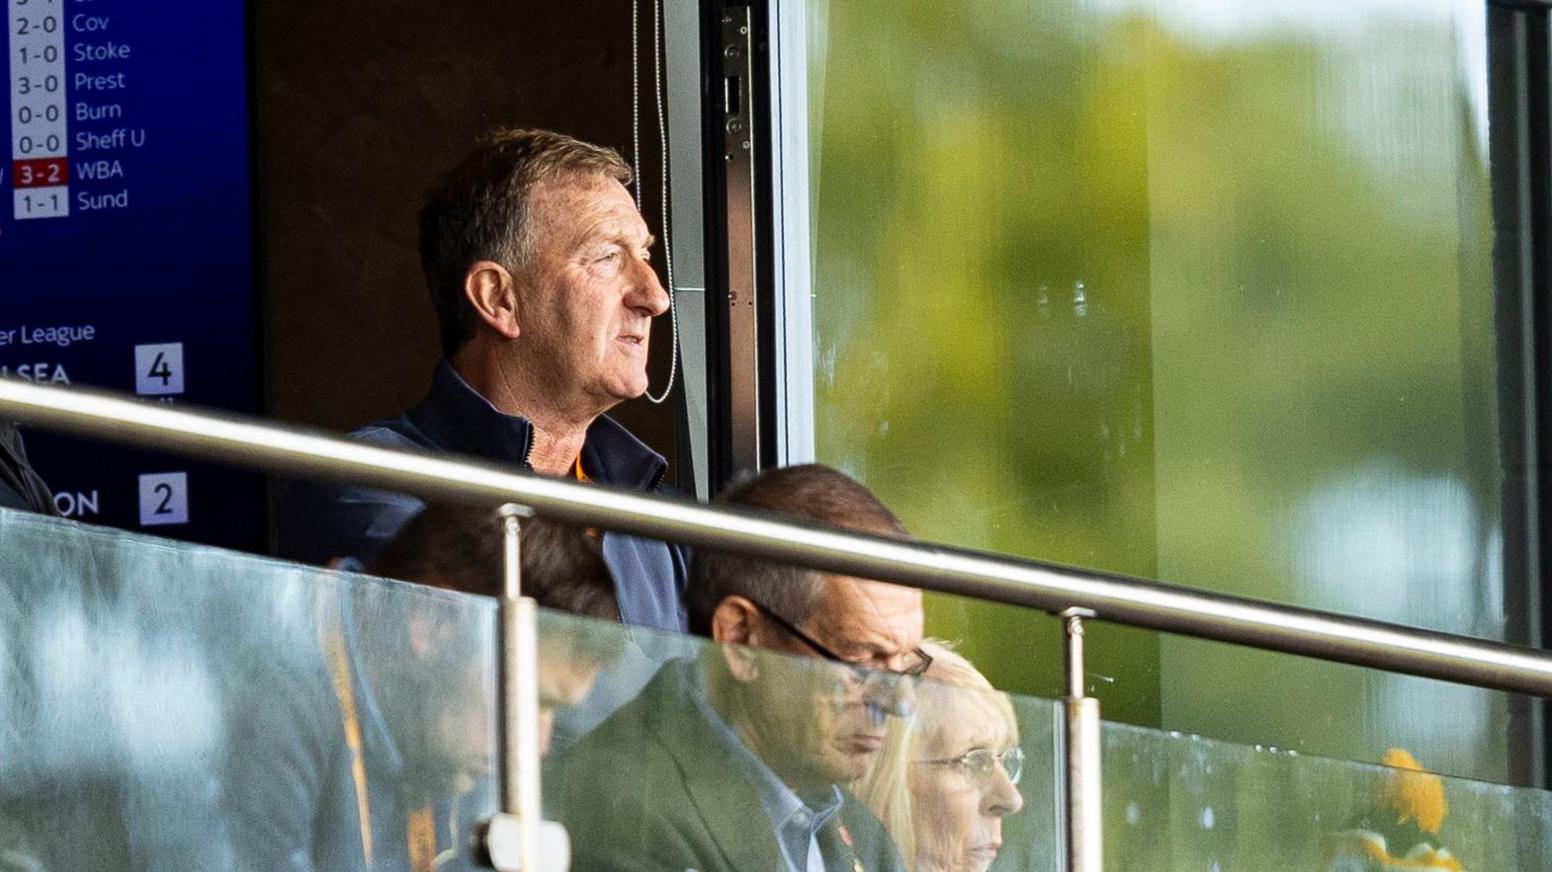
{"points": [[459, 547], [479, 210], [810, 492]]}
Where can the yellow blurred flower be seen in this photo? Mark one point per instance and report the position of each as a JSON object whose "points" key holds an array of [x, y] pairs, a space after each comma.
{"points": [[1412, 793]]}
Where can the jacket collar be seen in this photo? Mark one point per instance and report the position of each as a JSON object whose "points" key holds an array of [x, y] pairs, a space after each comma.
{"points": [[459, 419]]}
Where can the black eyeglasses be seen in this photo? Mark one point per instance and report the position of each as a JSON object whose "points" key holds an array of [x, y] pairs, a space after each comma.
{"points": [[916, 665], [979, 762]]}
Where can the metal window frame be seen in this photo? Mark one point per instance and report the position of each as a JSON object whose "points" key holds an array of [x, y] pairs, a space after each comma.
{"points": [[1520, 157], [749, 354], [730, 148]]}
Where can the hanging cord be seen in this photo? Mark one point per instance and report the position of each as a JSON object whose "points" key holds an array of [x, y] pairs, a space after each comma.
{"points": [[636, 98], [658, 86]]}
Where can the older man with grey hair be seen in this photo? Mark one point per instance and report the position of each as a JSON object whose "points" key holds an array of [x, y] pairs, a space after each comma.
{"points": [[538, 263], [734, 759]]}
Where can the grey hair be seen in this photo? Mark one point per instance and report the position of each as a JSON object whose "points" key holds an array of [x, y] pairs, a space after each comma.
{"points": [[479, 210]]}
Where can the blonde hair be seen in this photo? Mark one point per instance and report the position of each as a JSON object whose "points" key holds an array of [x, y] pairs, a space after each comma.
{"points": [[886, 790]]}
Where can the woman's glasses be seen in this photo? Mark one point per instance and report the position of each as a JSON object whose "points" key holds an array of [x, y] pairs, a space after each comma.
{"points": [[978, 762]]}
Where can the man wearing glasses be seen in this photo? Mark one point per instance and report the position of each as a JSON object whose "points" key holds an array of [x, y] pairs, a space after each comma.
{"points": [[734, 760]]}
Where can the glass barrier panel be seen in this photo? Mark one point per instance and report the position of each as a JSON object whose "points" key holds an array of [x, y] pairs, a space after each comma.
{"points": [[1178, 801], [167, 706], [173, 706]]}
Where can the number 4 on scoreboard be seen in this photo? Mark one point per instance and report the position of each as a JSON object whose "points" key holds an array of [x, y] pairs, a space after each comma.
{"points": [[159, 369]]}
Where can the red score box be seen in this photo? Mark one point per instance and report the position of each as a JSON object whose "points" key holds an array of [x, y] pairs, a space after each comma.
{"points": [[45, 172]]}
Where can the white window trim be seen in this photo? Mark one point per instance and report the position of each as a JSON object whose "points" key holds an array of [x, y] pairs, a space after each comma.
{"points": [[792, 271]]}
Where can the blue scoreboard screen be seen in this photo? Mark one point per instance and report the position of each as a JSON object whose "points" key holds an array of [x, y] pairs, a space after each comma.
{"points": [[126, 253]]}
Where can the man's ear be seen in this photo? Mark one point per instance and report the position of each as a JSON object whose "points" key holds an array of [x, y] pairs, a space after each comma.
{"points": [[492, 291], [735, 627]]}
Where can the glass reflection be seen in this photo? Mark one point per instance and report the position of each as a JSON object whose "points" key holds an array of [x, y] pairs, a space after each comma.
{"points": [[1175, 801], [1185, 290]]}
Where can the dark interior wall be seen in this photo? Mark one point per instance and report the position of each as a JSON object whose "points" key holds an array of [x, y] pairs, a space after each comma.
{"points": [[359, 106]]}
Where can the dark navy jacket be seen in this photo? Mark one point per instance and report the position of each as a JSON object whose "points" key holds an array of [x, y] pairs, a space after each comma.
{"points": [[322, 521]]}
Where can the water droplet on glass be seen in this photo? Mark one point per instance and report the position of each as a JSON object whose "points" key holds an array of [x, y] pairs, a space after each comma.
{"points": [[1133, 813], [1208, 818], [1080, 300]]}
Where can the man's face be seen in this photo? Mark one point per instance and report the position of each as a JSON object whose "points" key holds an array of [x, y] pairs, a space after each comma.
{"points": [[586, 302], [815, 722]]}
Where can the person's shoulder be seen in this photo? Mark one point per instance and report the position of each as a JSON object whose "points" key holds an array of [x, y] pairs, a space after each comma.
{"points": [[319, 520], [396, 432], [612, 786], [20, 485], [622, 731], [622, 795], [636, 745]]}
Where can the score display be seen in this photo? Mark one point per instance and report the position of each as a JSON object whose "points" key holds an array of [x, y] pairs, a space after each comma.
{"points": [[126, 257], [40, 164]]}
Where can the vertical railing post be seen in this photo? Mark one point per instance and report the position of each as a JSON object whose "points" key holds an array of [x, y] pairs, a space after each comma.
{"points": [[519, 692], [1081, 761], [517, 838]]}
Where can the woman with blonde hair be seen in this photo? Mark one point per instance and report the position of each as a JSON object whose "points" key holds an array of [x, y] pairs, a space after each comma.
{"points": [[946, 778]]}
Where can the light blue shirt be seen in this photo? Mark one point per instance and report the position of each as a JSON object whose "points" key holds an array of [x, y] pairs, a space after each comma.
{"points": [[795, 822]]}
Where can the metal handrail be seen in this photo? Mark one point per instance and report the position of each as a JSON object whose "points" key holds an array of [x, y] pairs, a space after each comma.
{"points": [[292, 451]]}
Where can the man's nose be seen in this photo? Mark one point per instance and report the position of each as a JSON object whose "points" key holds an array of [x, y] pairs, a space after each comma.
{"points": [[646, 293], [1002, 796]]}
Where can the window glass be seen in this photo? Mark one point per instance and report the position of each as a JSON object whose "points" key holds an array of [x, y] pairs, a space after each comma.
{"points": [[1194, 291]]}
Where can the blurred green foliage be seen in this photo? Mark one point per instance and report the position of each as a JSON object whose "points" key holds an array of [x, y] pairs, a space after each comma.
{"points": [[1183, 292]]}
